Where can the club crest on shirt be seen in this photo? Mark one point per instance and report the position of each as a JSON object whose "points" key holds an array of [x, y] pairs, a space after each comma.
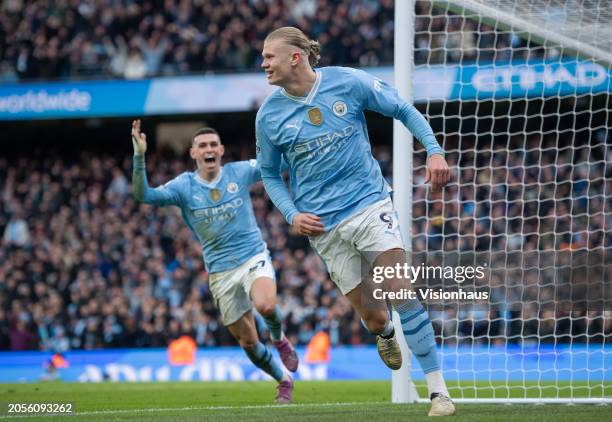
{"points": [[215, 194], [232, 187], [339, 108], [315, 116]]}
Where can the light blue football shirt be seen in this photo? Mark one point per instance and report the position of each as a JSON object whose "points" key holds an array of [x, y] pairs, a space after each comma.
{"points": [[324, 139], [219, 212]]}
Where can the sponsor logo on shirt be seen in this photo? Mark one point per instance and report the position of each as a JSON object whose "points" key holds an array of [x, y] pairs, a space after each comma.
{"points": [[324, 143], [219, 209]]}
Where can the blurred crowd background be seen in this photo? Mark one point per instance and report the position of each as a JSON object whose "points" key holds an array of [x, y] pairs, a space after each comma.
{"points": [[136, 39], [83, 266]]}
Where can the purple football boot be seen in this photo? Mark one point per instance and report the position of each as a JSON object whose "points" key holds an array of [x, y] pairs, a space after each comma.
{"points": [[284, 391], [287, 354]]}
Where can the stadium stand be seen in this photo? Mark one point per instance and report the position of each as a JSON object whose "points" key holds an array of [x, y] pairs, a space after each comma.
{"points": [[117, 39], [84, 266]]}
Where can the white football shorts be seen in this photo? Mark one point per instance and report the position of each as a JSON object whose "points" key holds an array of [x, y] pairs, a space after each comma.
{"points": [[360, 236], [231, 289]]}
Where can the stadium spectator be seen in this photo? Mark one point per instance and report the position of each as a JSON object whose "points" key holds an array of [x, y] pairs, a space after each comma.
{"points": [[16, 232], [135, 65], [174, 37]]}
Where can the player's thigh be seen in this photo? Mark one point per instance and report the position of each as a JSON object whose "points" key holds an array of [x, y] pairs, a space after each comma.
{"points": [[244, 330], [342, 260], [395, 281], [229, 295], [377, 237], [376, 230], [263, 295], [260, 283]]}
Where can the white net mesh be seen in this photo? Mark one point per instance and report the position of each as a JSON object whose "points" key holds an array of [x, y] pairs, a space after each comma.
{"points": [[585, 26], [526, 130]]}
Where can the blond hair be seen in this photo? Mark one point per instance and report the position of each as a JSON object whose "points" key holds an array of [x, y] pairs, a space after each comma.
{"points": [[295, 37]]}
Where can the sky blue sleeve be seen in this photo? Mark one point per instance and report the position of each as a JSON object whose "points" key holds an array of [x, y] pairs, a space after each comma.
{"points": [[379, 96], [254, 170], [269, 158], [168, 194]]}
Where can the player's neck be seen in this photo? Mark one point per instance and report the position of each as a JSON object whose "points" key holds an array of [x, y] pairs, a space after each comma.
{"points": [[208, 176], [302, 84]]}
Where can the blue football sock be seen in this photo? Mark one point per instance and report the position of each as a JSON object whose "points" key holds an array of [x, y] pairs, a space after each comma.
{"points": [[275, 323], [262, 358], [419, 334]]}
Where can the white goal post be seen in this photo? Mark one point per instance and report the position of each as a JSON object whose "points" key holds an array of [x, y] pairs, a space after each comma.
{"points": [[519, 94]]}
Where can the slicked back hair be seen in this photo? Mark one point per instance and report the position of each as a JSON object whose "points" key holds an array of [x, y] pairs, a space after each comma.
{"points": [[295, 37]]}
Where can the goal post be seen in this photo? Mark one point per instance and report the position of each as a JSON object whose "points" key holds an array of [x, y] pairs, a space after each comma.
{"points": [[520, 96], [402, 387]]}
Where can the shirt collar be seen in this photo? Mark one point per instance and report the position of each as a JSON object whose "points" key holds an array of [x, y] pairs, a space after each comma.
{"points": [[213, 182], [311, 95]]}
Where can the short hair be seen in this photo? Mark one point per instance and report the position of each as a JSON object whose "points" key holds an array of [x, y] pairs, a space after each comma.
{"points": [[204, 131], [295, 37]]}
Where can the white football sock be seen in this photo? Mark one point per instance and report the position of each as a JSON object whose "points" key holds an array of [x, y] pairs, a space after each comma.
{"points": [[435, 383]]}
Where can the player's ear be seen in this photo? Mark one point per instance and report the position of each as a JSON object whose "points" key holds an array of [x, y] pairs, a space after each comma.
{"points": [[192, 152], [221, 150], [295, 58]]}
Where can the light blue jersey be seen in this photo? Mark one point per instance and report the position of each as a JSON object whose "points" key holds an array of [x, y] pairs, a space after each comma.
{"points": [[324, 139], [219, 212]]}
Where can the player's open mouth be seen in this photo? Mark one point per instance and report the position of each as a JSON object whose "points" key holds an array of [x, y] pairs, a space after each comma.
{"points": [[209, 159], [269, 74]]}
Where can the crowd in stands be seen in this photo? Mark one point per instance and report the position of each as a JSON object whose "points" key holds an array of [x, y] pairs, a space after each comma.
{"points": [[49, 39], [84, 266]]}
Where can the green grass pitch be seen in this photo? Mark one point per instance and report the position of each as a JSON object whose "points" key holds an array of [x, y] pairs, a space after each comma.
{"points": [[253, 401]]}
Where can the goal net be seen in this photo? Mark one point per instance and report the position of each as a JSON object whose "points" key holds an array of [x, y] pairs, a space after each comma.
{"points": [[518, 92]]}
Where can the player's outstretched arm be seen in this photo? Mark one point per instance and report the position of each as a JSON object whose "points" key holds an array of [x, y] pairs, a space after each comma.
{"points": [[168, 195], [383, 98]]}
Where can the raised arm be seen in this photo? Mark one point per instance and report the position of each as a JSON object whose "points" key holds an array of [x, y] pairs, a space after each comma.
{"points": [[164, 195], [379, 96]]}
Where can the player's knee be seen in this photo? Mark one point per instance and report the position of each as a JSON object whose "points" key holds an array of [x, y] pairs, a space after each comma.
{"points": [[248, 343], [266, 308], [376, 321]]}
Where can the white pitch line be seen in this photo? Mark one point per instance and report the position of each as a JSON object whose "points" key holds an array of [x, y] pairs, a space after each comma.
{"points": [[191, 408]]}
